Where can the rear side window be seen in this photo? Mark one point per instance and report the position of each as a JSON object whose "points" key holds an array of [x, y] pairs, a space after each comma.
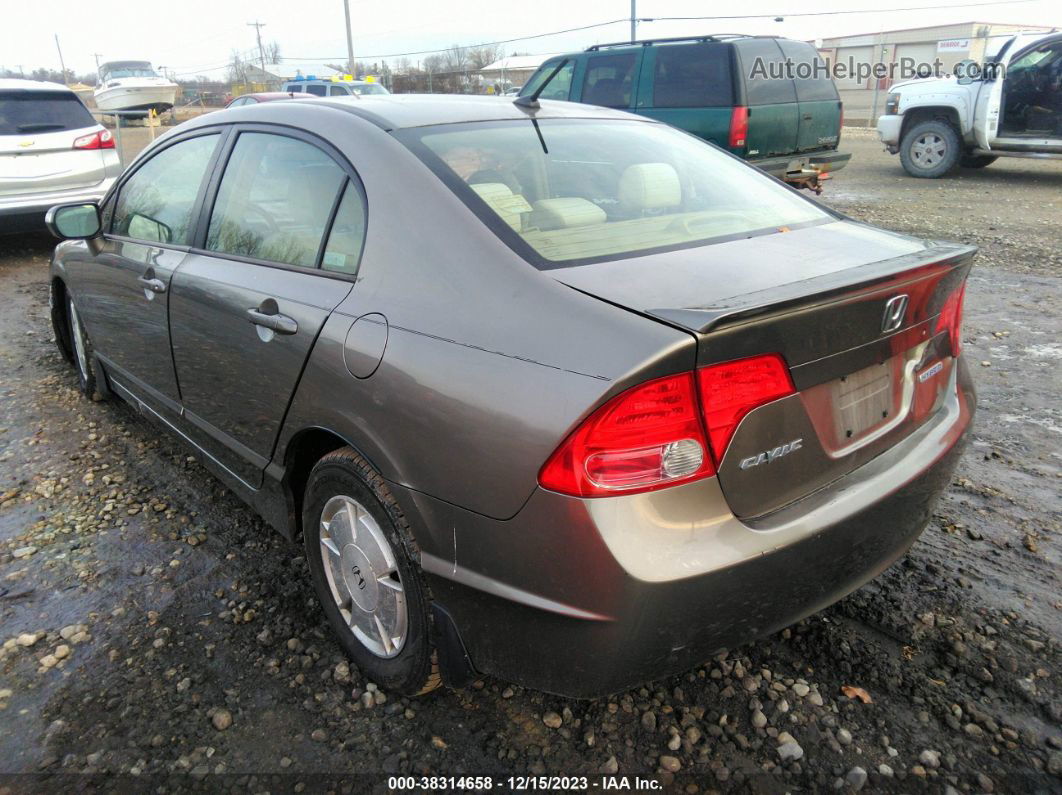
{"points": [[343, 250], [155, 204], [692, 76], [761, 63], [24, 112], [609, 79], [316, 90], [274, 200], [810, 75]]}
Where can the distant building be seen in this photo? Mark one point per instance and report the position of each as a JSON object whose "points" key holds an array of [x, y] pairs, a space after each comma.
{"points": [[515, 70], [911, 47]]}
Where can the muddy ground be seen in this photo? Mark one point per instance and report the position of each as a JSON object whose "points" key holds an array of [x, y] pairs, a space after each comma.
{"points": [[153, 628]]}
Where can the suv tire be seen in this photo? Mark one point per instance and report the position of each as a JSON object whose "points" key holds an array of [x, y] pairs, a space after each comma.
{"points": [[930, 149], [977, 161], [363, 560]]}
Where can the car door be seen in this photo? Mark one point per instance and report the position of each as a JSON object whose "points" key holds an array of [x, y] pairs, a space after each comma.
{"points": [[122, 289], [248, 301]]}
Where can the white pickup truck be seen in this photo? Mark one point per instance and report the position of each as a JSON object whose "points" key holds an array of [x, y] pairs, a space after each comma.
{"points": [[1010, 106]]}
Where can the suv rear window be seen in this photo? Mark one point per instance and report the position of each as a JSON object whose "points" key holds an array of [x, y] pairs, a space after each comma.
{"points": [[760, 58], [817, 85], [692, 76], [24, 112], [574, 191]]}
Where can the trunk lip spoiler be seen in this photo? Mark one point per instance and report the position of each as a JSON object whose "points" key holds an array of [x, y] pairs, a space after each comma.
{"points": [[816, 289]]}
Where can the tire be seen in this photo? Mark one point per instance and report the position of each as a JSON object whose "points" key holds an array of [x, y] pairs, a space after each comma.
{"points": [[84, 354], [977, 161], [930, 149], [369, 582]]}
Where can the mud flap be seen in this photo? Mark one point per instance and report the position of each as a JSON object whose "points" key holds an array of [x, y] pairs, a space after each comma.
{"points": [[454, 662]]}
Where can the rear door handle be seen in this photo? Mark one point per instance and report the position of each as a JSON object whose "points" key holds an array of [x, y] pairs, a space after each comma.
{"points": [[155, 285], [807, 117], [281, 324]]}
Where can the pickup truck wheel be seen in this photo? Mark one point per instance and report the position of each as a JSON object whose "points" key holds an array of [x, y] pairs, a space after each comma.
{"points": [[930, 149], [363, 560], [977, 161]]}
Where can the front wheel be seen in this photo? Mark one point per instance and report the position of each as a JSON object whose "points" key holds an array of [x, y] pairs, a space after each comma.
{"points": [[361, 556], [977, 161], [930, 149], [84, 356]]}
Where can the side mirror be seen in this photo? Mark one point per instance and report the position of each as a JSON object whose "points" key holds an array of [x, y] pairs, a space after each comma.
{"points": [[73, 221], [967, 71]]}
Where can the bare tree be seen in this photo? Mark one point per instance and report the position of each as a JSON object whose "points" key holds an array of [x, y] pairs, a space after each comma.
{"points": [[237, 71], [485, 55], [272, 52]]}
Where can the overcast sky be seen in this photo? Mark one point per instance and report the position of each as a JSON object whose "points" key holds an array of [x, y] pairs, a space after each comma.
{"points": [[198, 36]]}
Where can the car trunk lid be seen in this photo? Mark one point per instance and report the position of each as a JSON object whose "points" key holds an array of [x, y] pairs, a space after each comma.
{"points": [[857, 322]]}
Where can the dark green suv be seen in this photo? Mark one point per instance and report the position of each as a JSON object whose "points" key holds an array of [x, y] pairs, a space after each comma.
{"points": [[768, 100]]}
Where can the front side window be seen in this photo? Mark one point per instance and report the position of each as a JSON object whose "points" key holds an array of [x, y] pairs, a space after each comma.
{"points": [[609, 79], [593, 190], [558, 88], [338, 91], [155, 204], [369, 88], [274, 200]]}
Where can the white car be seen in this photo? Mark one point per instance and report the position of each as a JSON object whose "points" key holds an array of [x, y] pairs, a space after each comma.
{"points": [[1009, 107], [52, 151]]}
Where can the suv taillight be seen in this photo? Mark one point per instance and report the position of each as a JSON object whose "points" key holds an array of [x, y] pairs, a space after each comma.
{"points": [[97, 140], [739, 127], [950, 319], [656, 435]]}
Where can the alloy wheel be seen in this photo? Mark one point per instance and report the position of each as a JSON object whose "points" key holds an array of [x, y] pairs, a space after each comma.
{"points": [[928, 150], [363, 577], [79, 342]]}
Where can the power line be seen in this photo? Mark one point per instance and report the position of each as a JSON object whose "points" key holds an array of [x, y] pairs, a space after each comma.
{"points": [[626, 20]]}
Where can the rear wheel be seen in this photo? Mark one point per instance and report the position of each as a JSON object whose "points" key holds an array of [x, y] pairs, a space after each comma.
{"points": [[361, 556], [930, 149], [977, 161], [84, 355]]}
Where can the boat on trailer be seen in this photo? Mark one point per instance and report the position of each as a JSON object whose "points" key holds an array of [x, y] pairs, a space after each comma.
{"points": [[133, 86]]}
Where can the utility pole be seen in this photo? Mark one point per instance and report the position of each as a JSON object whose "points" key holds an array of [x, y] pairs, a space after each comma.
{"points": [[350, 39], [97, 55], [634, 20], [61, 64], [258, 32]]}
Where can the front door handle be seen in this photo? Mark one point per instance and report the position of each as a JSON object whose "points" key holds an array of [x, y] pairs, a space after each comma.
{"points": [[154, 285], [281, 324]]}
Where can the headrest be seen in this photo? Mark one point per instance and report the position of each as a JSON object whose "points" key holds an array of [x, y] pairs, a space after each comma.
{"points": [[565, 213], [649, 186], [509, 206]]}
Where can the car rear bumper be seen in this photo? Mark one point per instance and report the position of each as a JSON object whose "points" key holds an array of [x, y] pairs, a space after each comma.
{"points": [[793, 166], [27, 207], [588, 597]]}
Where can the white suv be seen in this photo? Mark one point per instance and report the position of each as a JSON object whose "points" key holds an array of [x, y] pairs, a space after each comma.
{"points": [[51, 152]]}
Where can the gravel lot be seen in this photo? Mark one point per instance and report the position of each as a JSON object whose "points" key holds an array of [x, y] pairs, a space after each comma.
{"points": [[153, 627]]}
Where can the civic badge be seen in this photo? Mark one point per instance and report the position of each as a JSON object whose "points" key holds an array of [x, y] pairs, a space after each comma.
{"points": [[895, 310]]}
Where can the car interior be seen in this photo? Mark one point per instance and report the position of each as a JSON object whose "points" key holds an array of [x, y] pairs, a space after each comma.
{"points": [[1032, 94]]}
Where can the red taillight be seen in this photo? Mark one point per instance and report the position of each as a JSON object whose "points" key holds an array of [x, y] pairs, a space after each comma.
{"points": [[950, 319], [739, 127], [97, 140], [731, 390], [653, 436], [647, 438]]}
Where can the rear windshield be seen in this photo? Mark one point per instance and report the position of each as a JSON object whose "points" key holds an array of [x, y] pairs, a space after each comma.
{"points": [[24, 112], [810, 74], [576, 191]]}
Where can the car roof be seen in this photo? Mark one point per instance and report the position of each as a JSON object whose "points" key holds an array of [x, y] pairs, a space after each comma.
{"points": [[329, 81], [14, 84], [266, 96], [399, 111]]}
